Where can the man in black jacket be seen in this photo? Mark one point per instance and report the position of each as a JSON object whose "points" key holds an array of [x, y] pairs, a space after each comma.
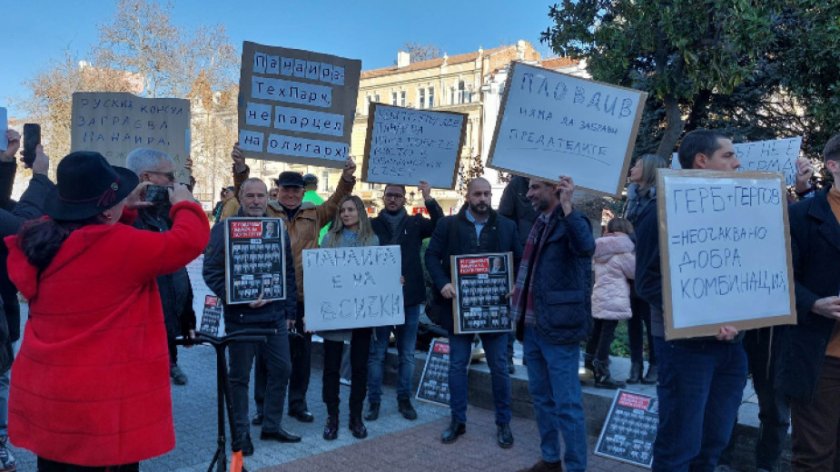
{"points": [[275, 315], [176, 297], [395, 226], [476, 229], [810, 361]]}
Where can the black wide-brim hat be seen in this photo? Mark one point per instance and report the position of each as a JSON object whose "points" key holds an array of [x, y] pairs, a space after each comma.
{"points": [[87, 186]]}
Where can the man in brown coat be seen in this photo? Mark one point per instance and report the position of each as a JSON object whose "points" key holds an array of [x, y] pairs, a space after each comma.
{"points": [[303, 221]]}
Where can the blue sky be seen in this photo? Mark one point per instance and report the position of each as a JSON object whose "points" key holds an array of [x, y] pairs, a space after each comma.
{"points": [[370, 30]]}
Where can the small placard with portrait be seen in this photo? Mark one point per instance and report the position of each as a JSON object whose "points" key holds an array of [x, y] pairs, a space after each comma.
{"points": [[483, 283], [255, 262]]}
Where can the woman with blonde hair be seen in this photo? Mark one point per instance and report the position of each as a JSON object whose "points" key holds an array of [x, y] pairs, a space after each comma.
{"points": [[640, 193], [351, 228]]}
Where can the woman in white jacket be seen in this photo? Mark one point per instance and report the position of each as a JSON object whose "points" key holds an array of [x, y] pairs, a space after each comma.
{"points": [[614, 262]]}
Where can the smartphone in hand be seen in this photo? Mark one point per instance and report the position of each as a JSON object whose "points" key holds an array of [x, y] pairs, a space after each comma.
{"points": [[31, 139]]}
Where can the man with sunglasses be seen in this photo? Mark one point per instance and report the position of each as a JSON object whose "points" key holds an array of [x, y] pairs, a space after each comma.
{"points": [[158, 169], [395, 226]]}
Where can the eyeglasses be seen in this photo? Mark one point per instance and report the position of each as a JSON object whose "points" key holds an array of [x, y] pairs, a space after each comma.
{"points": [[394, 196], [168, 175]]}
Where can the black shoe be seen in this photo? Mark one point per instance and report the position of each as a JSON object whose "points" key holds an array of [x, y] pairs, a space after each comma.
{"points": [[281, 435], [635, 373], [304, 416], [602, 376], [244, 444], [504, 436], [331, 428], [406, 409], [358, 428], [454, 430], [373, 412], [258, 419], [652, 375], [178, 376]]}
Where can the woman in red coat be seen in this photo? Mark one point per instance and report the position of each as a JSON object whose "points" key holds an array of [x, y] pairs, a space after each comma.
{"points": [[90, 387]]}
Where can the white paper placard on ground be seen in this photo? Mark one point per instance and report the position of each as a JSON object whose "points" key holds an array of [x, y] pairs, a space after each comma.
{"points": [[116, 123], [405, 146], [552, 124], [352, 287], [296, 106], [725, 251], [630, 429], [4, 125], [201, 292], [774, 155]]}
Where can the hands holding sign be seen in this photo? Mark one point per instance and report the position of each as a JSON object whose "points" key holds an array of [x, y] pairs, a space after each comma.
{"points": [[566, 189], [13, 137], [349, 169], [828, 307]]}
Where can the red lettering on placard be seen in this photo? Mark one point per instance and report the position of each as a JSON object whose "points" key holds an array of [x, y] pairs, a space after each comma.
{"points": [[474, 265]]}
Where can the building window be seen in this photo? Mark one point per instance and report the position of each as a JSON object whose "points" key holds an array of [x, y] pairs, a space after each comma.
{"points": [[402, 98], [431, 97], [421, 98], [462, 98], [394, 98], [376, 98]]}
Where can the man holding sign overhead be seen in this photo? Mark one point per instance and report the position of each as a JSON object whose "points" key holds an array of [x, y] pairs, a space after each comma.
{"points": [[553, 311], [700, 379]]}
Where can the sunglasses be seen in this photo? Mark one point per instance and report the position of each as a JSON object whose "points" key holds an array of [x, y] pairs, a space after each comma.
{"points": [[168, 175]]}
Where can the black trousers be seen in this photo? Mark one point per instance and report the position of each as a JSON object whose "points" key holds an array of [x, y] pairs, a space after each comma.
{"points": [[359, 352], [603, 333], [46, 465], [638, 328], [300, 346]]}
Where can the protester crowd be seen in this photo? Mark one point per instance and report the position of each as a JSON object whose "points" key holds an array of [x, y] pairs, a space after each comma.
{"points": [[100, 257]]}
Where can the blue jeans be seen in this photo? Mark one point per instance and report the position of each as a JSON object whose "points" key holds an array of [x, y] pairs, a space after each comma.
{"points": [[555, 390], [406, 341], [495, 351], [700, 388]]}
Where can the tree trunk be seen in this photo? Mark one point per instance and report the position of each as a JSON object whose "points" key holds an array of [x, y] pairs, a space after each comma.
{"points": [[673, 129]]}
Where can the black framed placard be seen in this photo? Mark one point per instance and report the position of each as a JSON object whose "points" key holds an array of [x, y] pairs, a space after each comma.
{"points": [[630, 429], [255, 259], [434, 382], [482, 282]]}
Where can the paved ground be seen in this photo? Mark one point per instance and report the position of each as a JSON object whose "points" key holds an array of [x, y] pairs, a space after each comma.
{"points": [[394, 443]]}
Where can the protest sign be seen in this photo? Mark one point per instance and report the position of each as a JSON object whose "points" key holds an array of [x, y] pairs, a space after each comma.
{"points": [[4, 126], [434, 381], [774, 155], [296, 106], [552, 124], [211, 321], [255, 259], [483, 282], [630, 429], [202, 297], [352, 287], [725, 251], [405, 146], [116, 123]]}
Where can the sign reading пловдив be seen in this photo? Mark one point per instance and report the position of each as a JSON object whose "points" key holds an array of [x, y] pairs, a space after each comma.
{"points": [[405, 146], [725, 250], [352, 287], [116, 123], [296, 106], [553, 124]]}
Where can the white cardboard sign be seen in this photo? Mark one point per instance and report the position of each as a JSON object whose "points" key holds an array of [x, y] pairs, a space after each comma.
{"points": [[352, 287], [553, 124], [405, 146], [725, 247]]}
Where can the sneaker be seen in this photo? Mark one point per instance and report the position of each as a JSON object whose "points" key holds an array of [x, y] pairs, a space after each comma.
{"points": [[178, 375], [7, 460], [344, 381]]}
